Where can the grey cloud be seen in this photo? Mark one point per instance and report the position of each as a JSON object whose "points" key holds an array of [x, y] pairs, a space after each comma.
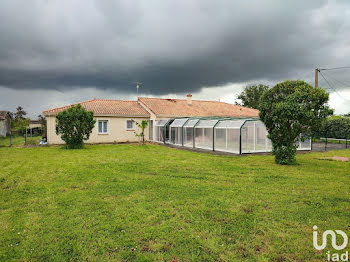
{"points": [[170, 46]]}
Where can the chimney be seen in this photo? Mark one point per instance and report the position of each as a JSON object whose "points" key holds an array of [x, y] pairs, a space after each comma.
{"points": [[189, 99]]}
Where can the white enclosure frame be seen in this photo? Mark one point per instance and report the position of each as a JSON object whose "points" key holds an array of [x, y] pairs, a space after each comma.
{"points": [[233, 135]]}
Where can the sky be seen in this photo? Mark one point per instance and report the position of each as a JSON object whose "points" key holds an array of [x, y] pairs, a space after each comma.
{"points": [[58, 52]]}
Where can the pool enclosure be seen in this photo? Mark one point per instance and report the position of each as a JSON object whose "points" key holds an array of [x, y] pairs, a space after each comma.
{"points": [[233, 135]]}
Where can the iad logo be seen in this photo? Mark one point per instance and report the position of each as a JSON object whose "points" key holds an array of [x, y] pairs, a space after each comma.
{"points": [[335, 256]]}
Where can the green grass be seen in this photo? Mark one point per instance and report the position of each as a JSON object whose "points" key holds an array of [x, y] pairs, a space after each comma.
{"points": [[146, 203], [330, 141], [19, 141]]}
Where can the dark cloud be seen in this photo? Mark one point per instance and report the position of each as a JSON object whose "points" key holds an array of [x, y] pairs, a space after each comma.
{"points": [[171, 46]]}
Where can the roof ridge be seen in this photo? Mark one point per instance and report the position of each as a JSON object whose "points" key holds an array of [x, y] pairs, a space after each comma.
{"points": [[179, 99], [214, 101], [87, 101], [119, 100]]}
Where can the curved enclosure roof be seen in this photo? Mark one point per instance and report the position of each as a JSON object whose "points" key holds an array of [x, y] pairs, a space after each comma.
{"points": [[206, 123], [191, 123], [230, 123], [178, 122], [162, 122]]}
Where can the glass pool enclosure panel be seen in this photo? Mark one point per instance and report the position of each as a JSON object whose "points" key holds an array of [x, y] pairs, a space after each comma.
{"points": [[304, 143], [189, 132], [160, 128], [227, 135], [204, 133], [237, 136], [254, 137], [176, 131]]}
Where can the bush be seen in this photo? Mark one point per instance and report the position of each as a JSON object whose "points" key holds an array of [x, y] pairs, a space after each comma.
{"points": [[285, 155], [75, 125], [289, 109], [335, 128]]}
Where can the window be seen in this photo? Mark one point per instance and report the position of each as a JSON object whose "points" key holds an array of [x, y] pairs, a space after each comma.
{"points": [[129, 124], [102, 126]]}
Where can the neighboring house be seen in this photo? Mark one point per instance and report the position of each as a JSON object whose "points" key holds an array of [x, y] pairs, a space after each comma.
{"points": [[5, 123], [115, 119], [34, 124]]}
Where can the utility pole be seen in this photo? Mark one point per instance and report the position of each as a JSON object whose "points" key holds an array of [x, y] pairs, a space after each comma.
{"points": [[316, 77]]}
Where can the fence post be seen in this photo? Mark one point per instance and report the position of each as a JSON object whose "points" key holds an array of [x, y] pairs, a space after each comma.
{"points": [[311, 143], [325, 148], [346, 142]]}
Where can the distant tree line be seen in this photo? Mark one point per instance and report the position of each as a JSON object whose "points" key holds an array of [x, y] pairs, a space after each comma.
{"points": [[336, 127], [20, 122]]}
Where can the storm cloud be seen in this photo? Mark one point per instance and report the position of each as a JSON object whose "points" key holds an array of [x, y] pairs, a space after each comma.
{"points": [[172, 47]]}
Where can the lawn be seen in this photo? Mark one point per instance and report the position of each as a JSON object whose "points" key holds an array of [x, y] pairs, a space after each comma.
{"points": [[146, 203], [19, 140]]}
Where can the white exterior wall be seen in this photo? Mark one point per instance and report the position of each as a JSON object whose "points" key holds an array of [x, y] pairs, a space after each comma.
{"points": [[153, 118], [5, 127], [117, 131]]}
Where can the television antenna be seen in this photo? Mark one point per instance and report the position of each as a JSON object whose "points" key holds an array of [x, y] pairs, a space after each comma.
{"points": [[137, 87]]}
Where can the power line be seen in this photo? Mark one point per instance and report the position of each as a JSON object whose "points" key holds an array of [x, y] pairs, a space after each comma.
{"points": [[335, 68], [333, 88], [340, 82]]}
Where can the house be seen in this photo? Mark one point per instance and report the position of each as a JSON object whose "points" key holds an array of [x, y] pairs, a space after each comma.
{"points": [[34, 124], [5, 123], [115, 119]]}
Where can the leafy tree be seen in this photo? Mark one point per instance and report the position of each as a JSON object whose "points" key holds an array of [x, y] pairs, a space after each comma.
{"points": [[19, 123], [18, 126], [251, 95], [289, 109], [42, 120], [20, 113], [75, 125], [142, 126], [335, 128]]}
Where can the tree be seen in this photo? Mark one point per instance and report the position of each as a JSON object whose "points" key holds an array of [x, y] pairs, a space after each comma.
{"points": [[20, 123], [142, 126], [251, 95], [20, 113], [289, 109], [335, 128], [75, 125], [18, 126], [42, 120]]}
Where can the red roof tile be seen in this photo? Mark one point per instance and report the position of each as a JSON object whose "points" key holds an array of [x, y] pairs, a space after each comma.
{"points": [[180, 108], [107, 107]]}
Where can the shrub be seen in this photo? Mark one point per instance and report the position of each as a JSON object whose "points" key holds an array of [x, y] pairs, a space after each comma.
{"points": [[335, 128], [141, 135], [289, 109], [75, 125]]}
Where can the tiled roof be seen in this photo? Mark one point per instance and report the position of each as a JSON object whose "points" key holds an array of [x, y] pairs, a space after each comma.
{"points": [[3, 115], [107, 107], [180, 108]]}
